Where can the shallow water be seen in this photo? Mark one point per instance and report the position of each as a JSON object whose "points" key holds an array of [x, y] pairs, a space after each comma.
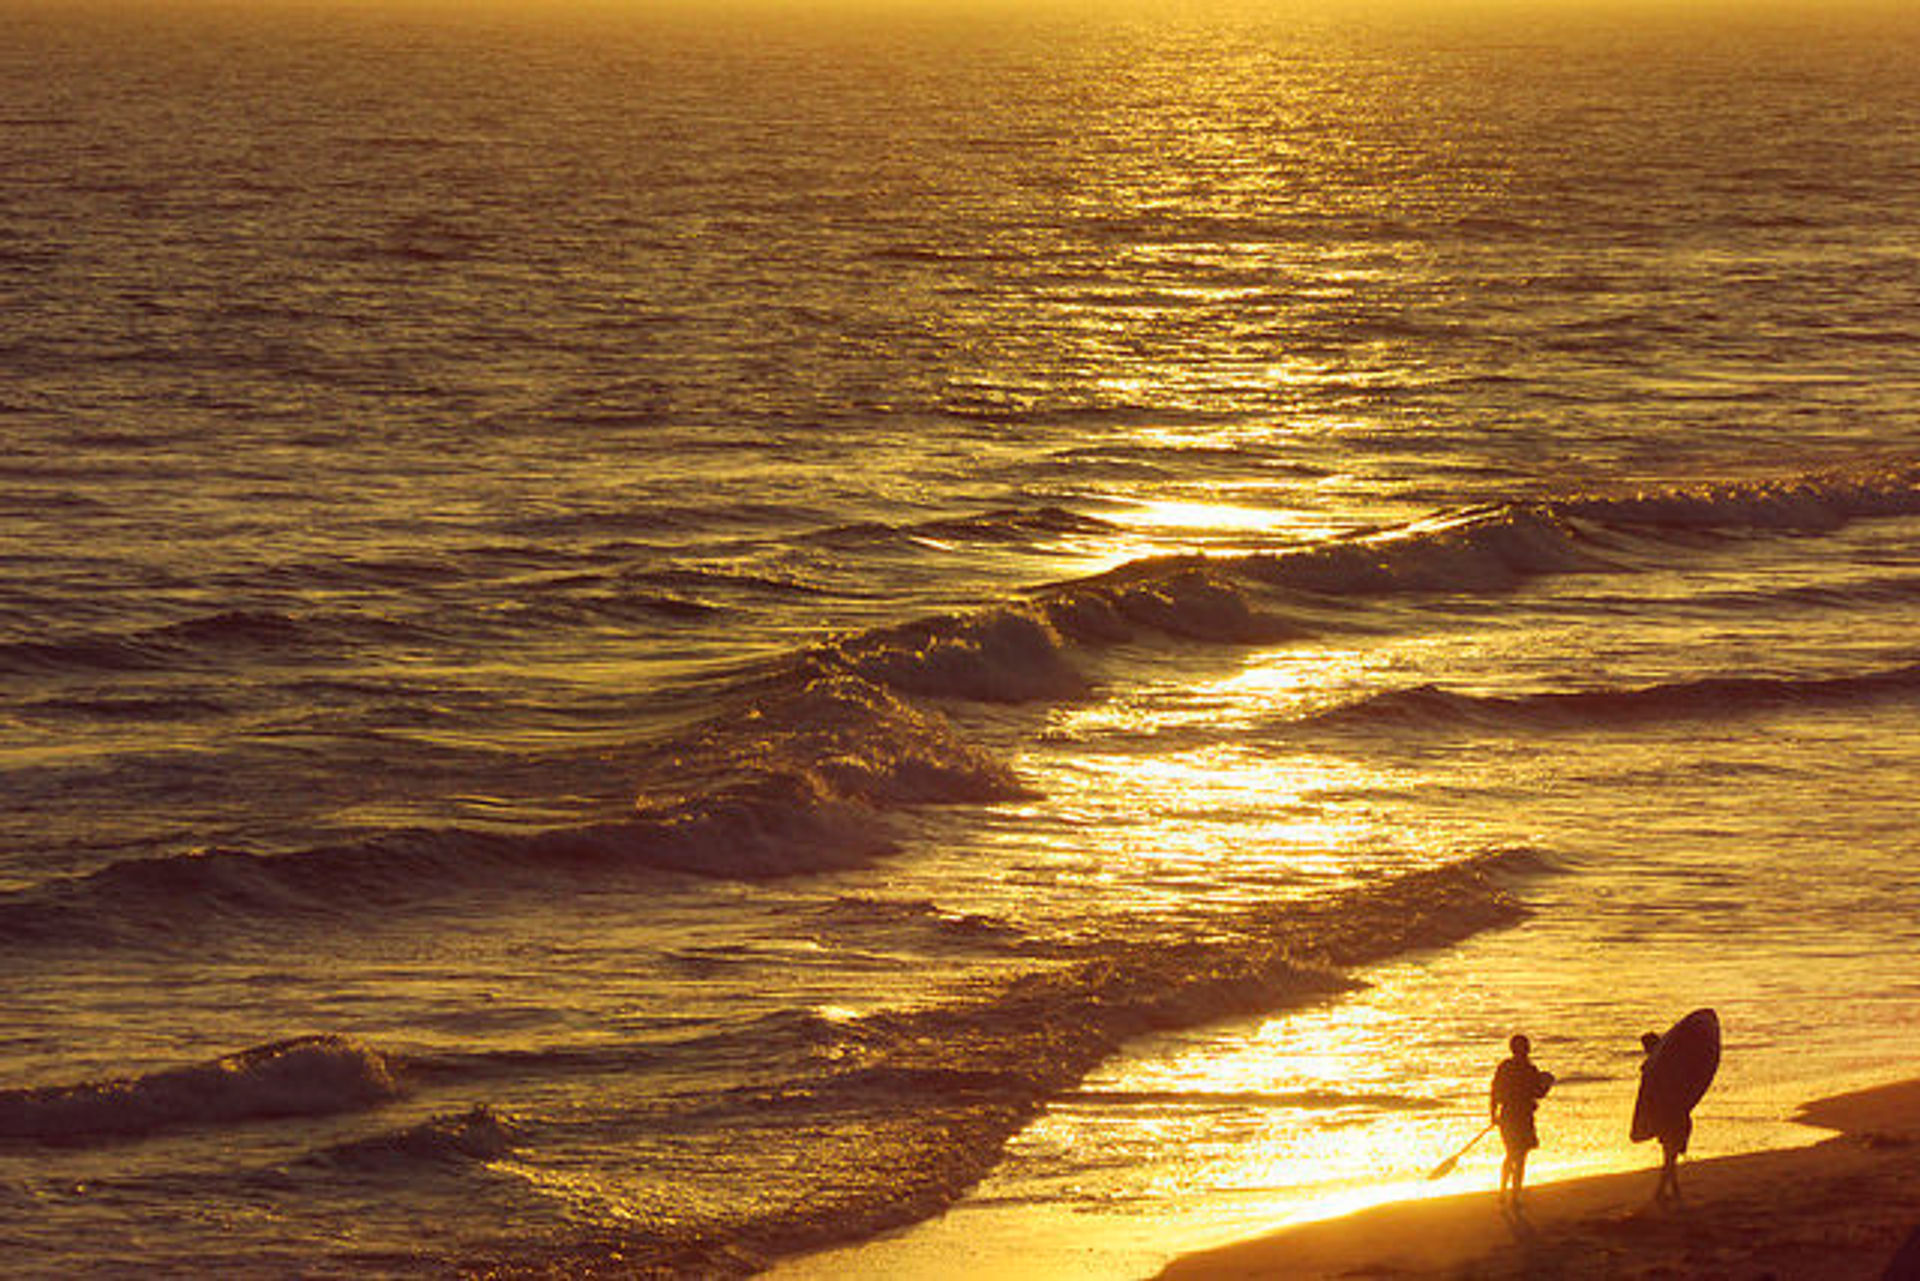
{"points": [[710, 640]]}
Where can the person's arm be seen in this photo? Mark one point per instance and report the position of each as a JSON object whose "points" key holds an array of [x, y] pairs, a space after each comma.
{"points": [[1493, 1099]]}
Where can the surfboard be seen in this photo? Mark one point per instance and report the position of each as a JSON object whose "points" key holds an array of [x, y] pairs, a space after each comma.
{"points": [[1679, 1072]]}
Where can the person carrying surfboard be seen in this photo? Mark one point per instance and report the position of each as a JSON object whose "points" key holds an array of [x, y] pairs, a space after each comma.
{"points": [[1678, 1068], [1518, 1087], [1673, 1134]]}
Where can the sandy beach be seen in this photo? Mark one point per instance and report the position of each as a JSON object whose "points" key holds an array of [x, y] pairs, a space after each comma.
{"points": [[1839, 1209]]}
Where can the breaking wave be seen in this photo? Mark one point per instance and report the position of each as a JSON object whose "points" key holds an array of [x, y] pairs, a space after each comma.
{"points": [[307, 1076], [1024, 652], [1495, 547], [801, 779], [1007, 655], [806, 758]]}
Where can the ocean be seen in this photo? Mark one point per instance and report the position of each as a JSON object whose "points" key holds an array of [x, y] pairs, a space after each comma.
{"points": [[644, 642]]}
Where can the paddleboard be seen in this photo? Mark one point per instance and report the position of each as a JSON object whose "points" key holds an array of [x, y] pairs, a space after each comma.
{"points": [[1679, 1072]]}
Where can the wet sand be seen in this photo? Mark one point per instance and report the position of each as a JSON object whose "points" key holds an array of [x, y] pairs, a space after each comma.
{"points": [[1836, 1210]]}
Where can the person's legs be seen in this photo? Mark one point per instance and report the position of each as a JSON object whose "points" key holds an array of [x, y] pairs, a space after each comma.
{"points": [[1512, 1169], [1519, 1140], [1669, 1188]]}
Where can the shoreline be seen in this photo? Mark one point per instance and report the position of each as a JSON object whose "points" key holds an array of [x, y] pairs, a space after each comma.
{"points": [[1837, 1209]]}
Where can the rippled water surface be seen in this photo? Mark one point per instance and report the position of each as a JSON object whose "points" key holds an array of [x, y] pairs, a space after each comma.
{"points": [[669, 641]]}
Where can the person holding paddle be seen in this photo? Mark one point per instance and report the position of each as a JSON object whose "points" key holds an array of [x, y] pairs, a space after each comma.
{"points": [[1518, 1087]]}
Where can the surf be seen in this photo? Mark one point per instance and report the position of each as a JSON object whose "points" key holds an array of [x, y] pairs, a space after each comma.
{"points": [[817, 754]]}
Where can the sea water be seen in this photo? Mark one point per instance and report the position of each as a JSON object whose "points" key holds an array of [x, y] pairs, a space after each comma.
{"points": [[656, 640]]}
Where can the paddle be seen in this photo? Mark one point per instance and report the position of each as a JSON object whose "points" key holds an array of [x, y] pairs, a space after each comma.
{"points": [[1445, 1168]]}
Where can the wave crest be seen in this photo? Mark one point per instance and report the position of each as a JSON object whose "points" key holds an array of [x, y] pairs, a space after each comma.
{"points": [[997, 656], [478, 1134], [1429, 706], [1486, 549], [1814, 501], [853, 738], [306, 1076], [1496, 547], [1181, 596], [799, 781]]}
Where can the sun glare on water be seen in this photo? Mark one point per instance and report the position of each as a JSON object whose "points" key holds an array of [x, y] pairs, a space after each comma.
{"points": [[1175, 514], [1198, 791]]}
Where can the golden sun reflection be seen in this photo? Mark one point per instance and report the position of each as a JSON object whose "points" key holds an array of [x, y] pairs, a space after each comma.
{"points": [[1231, 521], [1290, 684], [1175, 514], [1206, 788]]}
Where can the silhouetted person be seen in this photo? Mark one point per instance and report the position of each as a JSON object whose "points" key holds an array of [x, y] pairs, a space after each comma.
{"points": [[1673, 1135], [1518, 1087]]}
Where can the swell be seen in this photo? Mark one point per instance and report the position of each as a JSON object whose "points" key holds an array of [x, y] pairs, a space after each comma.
{"points": [[564, 596], [1008, 525], [910, 1108], [215, 640], [1713, 698], [201, 642]]}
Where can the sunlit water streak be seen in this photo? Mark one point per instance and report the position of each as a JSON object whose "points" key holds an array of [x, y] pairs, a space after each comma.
{"points": [[1048, 520]]}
